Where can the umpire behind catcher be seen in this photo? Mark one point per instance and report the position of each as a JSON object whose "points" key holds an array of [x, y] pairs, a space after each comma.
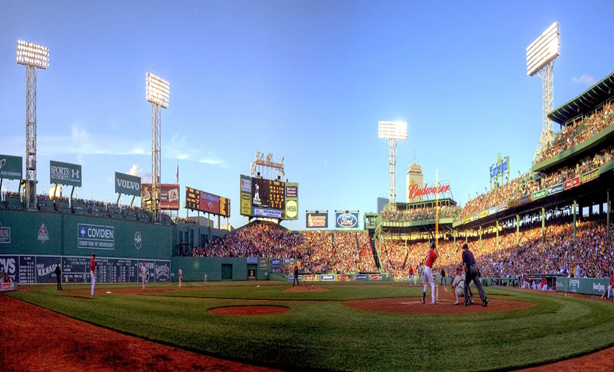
{"points": [[472, 273]]}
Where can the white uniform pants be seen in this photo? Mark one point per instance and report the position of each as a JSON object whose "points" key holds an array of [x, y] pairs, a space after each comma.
{"points": [[93, 276], [179, 282], [428, 278]]}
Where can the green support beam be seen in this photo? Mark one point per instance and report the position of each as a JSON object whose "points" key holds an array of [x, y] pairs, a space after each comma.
{"points": [[517, 229], [575, 204], [608, 212], [543, 225]]}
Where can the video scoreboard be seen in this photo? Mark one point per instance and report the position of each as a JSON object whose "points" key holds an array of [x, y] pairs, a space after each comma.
{"points": [[268, 198], [202, 201]]}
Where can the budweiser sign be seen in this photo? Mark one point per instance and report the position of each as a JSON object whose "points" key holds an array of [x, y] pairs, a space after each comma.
{"points": [[415, 192]]}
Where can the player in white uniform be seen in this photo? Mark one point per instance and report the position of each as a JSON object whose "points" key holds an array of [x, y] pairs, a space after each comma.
{"points": [[143, 274], [180, 274], [458, 284]]}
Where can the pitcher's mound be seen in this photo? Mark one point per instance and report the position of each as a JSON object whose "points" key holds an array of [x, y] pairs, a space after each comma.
{"points": [[249, 310], [306, 288]]}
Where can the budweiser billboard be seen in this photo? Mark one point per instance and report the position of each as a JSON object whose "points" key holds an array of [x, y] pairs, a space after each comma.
{"points": [[415, 191]]}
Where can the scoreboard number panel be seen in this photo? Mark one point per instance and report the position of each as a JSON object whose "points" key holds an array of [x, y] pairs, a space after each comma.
{"points": [[192, 199]]}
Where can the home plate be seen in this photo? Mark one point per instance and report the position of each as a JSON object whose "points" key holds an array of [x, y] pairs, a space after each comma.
{"points": [[108, 292]]}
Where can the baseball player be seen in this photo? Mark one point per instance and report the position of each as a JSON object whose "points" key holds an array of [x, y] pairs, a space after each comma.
{"points": [[180, 275], [93, 273], [428, 274], [472, 273], [143, 274], [411, 276], [544, 284], [458, 286], [610, 288]]}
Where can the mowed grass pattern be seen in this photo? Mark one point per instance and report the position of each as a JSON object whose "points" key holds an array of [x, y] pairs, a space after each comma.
{"points": [[320, 333]]}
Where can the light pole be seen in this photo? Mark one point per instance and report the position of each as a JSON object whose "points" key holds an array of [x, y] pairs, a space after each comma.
{"points": [[540, 60], [32, 56], [392, 131], [157, 93]]}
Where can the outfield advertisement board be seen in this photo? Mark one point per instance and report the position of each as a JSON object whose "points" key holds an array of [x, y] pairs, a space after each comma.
{"points": [[11, 167], [590, 176], [5, 235], [32, 269], [267, 213], [169, 196], [291, 212], [65, 174], [571, 183], [539, 194], [555, 189], [205, 202], [96, 236], [127, 184], [346, 219], [316, 219]]}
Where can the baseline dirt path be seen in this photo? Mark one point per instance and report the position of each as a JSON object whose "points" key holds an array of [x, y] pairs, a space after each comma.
{"points": [[37, 339]]}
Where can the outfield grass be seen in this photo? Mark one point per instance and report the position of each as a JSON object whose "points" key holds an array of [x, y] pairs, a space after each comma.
{"points": [[321, 333]]}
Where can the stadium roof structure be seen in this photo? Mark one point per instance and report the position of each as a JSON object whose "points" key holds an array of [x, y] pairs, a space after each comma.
{"points": [[585, 102]]}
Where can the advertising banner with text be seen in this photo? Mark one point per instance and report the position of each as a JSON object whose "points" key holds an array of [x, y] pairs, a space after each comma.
{"points": [[127, 184], [11, 167], [169, 196], [65, 173], [316, 220], [345, 220], [291, 201]]}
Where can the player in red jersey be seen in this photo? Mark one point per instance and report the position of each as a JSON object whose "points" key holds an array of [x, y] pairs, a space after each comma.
{"points": [[428, 273], [93, 272]]}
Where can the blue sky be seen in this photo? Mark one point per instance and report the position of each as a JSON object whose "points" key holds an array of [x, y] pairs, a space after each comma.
{"points": [[304, 80]]}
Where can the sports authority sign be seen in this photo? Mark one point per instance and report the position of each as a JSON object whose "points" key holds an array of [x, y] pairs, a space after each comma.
{"points": [[127, 184], [415, 191], [65, 173], [10, 167], [95, 236]]}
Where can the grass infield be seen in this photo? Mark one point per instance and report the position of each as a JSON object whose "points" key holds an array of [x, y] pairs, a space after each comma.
{"points": [[320, 333]]}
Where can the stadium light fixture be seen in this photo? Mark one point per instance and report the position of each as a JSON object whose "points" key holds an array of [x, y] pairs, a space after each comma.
{"points": [[392, 131], [157, 90], [541, 54], [544, 49], [32, 56], [157, 93], [396, 130]]}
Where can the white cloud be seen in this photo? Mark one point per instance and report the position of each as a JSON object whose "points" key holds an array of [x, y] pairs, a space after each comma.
{"points": [[584, 79], [82, 143], [136, 170], [146, 178]]}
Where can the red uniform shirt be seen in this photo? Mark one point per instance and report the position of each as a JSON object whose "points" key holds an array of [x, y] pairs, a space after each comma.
{"points": [[93, 265], [612, 280], [430, 258], [411, 271]]}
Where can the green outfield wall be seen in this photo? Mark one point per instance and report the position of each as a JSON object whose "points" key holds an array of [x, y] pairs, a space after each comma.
{"points": [[220, 268], [36, 233], [589, 286]]}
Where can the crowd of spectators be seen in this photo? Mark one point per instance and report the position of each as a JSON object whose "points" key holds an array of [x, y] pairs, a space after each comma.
{"points": [[316, 251], [579, 131], [590, 255], [420, 214]]}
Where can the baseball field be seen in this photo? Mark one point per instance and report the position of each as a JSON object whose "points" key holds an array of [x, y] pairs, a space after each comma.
{"points": [[341, 326]]}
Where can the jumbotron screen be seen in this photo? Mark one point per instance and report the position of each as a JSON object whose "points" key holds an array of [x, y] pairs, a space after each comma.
{"points": [[267, 198]]}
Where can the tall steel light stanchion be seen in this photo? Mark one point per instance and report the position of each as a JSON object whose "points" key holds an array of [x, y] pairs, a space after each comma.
{"points": [[392, 131], [157, 93], [32, 56], [540, 60]]}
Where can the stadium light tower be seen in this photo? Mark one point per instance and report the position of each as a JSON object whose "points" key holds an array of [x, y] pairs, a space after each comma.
{"points": [[540, 60], [157, 92], [32, 56], [392, 131]]}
